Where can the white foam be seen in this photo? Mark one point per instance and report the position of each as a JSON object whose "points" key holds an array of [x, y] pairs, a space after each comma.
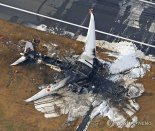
{"points": [[126, 68]]}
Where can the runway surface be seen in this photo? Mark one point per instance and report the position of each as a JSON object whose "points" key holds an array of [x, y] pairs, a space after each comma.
{"points": [[128, 18]]}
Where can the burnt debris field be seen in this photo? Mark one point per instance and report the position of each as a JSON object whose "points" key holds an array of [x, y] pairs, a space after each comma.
{"points": [[116, 94]]}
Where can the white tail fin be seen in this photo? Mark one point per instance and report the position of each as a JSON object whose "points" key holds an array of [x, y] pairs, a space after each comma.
{"points": [[28, 47], [90, 46]]}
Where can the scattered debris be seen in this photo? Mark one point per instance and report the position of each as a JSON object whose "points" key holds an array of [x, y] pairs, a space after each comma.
{"points": [[77, 105]]}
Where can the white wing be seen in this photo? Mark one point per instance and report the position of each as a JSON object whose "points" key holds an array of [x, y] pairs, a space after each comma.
{"points": [[28, 46], [48, 90], [20, 60]]}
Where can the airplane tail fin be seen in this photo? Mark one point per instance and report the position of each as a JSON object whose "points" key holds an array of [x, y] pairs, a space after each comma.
{"points": [[90, 44]]}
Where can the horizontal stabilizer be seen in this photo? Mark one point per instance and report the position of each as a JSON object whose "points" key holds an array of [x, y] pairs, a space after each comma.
{"points": [[20, 60], [28, 47]]}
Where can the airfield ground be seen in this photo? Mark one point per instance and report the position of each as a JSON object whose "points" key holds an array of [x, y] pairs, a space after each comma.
{"points": [[18, 83]]}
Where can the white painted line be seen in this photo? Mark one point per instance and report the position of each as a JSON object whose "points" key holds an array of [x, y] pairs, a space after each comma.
{"points": [[148, 2], [69, 23]]}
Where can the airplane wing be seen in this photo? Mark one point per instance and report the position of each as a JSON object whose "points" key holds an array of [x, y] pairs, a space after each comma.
{"points": [[20, 60], [87, 57], [28, 46], [90, 45], [51, 88], [48, 90]]}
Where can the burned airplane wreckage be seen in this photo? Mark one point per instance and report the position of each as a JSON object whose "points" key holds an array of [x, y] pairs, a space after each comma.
{"points": [[89, 86]]}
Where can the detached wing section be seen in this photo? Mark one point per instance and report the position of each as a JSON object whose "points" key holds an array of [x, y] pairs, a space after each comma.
{"points": [[20, 60], [28, 47], [90, 45]]}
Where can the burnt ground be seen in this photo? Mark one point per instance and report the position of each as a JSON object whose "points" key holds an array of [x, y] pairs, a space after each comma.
{"points": [[20, 82]]}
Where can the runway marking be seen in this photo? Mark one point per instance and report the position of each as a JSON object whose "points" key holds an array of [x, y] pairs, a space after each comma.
{"points": [[148, 2], [69, 23]]}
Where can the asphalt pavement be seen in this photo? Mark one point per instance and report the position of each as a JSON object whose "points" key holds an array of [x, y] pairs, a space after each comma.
{"points": [[128, 18]]}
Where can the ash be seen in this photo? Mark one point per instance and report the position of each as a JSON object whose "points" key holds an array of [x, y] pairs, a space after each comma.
{"points": [[112, 92]]}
